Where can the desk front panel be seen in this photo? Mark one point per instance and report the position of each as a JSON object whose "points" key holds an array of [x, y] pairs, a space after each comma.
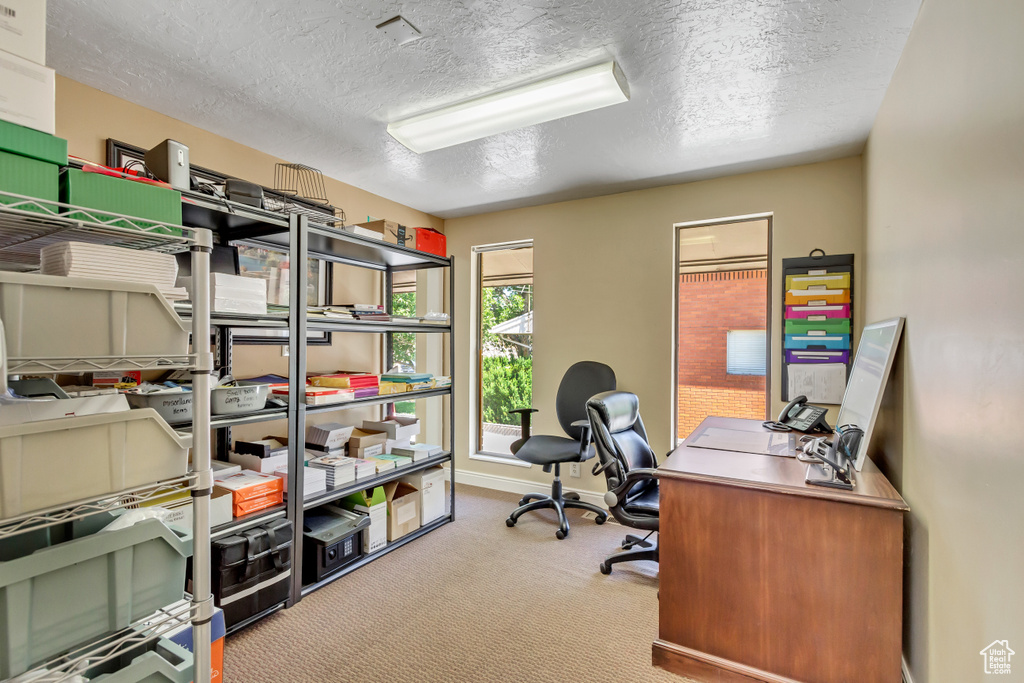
{"points": [[805, 588]]}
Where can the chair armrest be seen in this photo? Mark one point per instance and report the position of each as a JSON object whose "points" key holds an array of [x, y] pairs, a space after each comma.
{"points": [[523, 411], [585, 438], [617, 494], [524, 423]]}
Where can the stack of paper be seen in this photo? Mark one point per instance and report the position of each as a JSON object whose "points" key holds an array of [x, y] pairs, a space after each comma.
{"points": [[317, 396], [364, 468], [337, 468], [330, 436], [237, 294], [345, 380], [417, 451], [102, 262], [399, 460], [314, 480], [382, 464]]}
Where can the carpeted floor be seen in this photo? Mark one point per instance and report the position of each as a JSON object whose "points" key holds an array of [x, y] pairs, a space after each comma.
{"points": [[473, 602]]}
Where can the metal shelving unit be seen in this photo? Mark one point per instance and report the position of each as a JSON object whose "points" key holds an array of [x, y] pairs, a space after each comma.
{"points": [[301, 239], [26, 226]]}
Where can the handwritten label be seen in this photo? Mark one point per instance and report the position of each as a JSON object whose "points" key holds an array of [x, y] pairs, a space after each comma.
{"points": [[817, 272]]}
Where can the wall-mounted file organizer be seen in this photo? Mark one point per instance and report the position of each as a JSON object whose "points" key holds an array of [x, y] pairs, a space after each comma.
{"points": [[817, 334]]}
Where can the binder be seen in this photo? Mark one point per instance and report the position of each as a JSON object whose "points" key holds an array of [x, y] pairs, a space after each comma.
{"points": [[818, 311], [826, 281], [815, 297], [831, 342], [829, 326]]}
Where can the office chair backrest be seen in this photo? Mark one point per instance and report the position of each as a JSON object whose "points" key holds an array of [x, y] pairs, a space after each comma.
{"points": [[620, 438], [581, 381]]}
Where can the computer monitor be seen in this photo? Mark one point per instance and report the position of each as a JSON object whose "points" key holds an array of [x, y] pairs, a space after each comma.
{"points": [[868, 377]]}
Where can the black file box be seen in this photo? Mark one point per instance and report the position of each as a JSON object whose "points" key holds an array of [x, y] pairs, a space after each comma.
{"points": [[251, 570]]}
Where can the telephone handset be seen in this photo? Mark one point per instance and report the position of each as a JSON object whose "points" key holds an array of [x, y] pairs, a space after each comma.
{"points": [[802, 417]]}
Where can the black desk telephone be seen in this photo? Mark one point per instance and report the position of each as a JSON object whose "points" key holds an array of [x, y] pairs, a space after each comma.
{"points": [[801, 417]]}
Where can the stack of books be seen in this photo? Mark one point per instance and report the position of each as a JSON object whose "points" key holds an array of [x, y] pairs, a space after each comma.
{"points": [[319, 396], [340, 470], [332, 312], [364, 468], [361, 384], [381, 463], [414, 380], [417, 451], [399, 460], [368, 312]]}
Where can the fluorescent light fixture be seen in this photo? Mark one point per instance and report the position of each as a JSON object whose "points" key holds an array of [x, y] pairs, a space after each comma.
{"points": [[552, 98]]}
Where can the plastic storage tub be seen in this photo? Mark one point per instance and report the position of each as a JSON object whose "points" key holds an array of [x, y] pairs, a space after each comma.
{"points": [[158, 661], [54, 462], [47, 316], [172, 407], [245, 399], [58, 595]]}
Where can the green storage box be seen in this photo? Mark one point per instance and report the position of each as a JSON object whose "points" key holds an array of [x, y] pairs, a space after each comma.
{"points": [[32, 143], [29, 177], [158, 661], [128, 197], [58, 595], [831, 326]]}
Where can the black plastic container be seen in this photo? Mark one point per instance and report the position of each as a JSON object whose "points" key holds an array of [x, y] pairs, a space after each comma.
{"points": [[251, 570]]}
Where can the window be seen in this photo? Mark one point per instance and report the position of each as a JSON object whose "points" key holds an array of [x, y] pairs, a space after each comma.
{"points": [[504, 332], [403, 344], [745, 352]]}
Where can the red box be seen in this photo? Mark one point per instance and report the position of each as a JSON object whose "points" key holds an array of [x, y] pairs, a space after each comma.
{"points": [[431, 241]]}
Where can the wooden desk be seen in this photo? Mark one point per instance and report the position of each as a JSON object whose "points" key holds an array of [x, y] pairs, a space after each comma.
{"points": [[766, 578]]}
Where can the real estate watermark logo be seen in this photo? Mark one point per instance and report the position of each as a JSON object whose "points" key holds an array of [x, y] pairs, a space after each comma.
{"points": [[997, 657]]}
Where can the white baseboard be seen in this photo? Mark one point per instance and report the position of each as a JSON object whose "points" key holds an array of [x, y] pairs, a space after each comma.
{"points": [[518, 486], [905, 668]]}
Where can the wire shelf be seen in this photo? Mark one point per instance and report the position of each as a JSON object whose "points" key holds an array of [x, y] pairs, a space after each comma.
{"points": [[81, 509], [75, 663], [23, 366], [27, 224], [333, 215]]}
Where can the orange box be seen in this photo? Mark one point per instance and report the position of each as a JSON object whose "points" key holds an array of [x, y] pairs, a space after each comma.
{"points": [[256, 504], [431, 241], [252, 491]]}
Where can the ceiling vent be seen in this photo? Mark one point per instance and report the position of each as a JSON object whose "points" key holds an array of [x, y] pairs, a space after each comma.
{"points": [[399, 31]]}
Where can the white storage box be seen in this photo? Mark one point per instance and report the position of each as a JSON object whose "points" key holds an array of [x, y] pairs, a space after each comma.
{"points": [[181, 511], [231, 400], [27, 93], [54, 462], [397, 427], [173, 406], [430, 484], [35, 411], [264, 465], [23, 29], [48, 316]]}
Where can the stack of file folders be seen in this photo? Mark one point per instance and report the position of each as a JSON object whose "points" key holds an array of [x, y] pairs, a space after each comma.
{"points": [[361, 384], [102, 262], [407, 377], [340, 470], [417, 451]]}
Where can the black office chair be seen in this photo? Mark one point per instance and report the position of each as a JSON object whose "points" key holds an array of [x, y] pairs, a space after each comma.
{"points": [[628, 463], [580, 382]]}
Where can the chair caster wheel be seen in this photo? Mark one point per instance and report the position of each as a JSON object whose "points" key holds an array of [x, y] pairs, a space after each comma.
{"points": [[523, 501], [510, 522], [561, 534], [605, 568], [600, 520]]}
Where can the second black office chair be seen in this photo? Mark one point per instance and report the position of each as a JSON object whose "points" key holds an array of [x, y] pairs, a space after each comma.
{"points": [[629, 467], [580, 382]]}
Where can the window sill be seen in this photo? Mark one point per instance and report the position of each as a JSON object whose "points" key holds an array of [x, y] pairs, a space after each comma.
{"points": [[500, 459]]}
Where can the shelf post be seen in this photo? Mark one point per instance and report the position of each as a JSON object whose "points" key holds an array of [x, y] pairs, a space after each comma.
{"points": [[451, 376], [202, 599], [297, 254]]}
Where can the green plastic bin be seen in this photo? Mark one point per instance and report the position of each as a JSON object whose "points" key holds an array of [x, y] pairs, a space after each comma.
{"points": [[29, 177], [159, 661], [127, 197], [57, 596]]}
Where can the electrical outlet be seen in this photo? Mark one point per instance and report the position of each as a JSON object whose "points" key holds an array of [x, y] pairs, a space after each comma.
{"points": [[285, 350], [574, 469]]}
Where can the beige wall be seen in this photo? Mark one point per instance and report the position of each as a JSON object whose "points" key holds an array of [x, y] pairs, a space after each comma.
{"points": [[87, 117], [604, 276], [945, 248]]}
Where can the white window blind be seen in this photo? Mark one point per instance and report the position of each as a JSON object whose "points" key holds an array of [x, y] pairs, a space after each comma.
{"points": [[745, 352]]}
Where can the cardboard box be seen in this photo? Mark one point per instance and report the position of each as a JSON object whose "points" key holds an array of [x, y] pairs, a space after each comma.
{"points": [[182, 635], [364, 443], [367, 230], [116, 195], [403, 509], [390, 231], [34, 144], [430, 485], [397, 427], [264, 456], [23, 29], [27, 93], [220, 509], [374, 503], [431, 241]]}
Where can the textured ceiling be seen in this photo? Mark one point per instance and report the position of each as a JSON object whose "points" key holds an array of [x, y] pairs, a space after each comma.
{"points": [[717, 86]]}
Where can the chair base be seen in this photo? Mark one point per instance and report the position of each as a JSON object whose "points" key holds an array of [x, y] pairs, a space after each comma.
{"points": [[558, 501], [648, 550]]}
